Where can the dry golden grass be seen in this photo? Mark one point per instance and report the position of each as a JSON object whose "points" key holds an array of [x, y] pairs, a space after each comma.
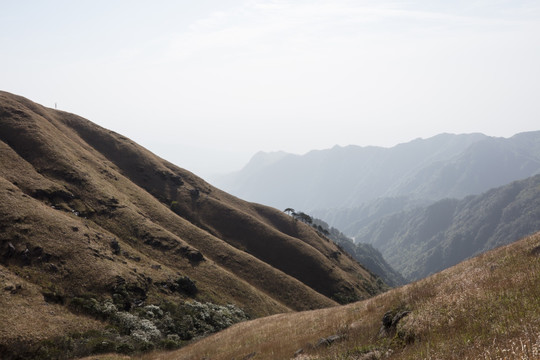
{"points": [[276, 337], [106, 357], [127, 192], [484, 308], [27, 318], [481, 307]]}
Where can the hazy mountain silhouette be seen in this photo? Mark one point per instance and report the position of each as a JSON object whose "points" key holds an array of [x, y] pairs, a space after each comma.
{"points": [[422, 170]]}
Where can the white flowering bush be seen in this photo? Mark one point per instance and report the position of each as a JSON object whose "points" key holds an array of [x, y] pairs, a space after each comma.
{"points": [[173, 337], [126, 321], [165, 326], [210, 317], [108, 308], [146, 331], [152, 312]]}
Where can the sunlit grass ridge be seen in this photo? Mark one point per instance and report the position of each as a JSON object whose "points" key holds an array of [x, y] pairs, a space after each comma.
{"points": [[487, 307]]}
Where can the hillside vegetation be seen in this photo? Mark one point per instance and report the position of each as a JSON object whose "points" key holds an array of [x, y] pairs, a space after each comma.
{"points": [[487, 307], [104, 246], [428, 239], [364, 253]]}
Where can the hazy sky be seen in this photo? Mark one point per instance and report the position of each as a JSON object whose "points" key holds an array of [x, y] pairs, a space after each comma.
{"points": [[206, 84]]}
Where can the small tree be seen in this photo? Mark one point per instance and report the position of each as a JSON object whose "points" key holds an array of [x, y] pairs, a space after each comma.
{"points": [[186, 285], [290, 211], [305, 218]]}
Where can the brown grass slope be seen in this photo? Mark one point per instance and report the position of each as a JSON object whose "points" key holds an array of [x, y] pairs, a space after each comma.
{"points": [[487, 307], [70, 189]]}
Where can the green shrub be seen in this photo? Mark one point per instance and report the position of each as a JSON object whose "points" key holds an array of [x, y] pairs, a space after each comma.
{"points": [[102, 345], [169, 344], [186, 285], [89, 306], [125, 348]]}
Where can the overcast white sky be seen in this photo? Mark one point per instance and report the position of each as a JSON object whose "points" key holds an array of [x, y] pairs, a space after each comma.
{"points": [[206, 84]]}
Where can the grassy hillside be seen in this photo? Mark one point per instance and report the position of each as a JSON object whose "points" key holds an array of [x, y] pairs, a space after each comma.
{"points": [[425, 240], [487, 307], [96, 228], [364, 253]]}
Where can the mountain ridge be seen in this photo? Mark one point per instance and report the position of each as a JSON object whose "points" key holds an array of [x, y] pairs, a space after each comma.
{"points": [[92, 221], [445, 165]]}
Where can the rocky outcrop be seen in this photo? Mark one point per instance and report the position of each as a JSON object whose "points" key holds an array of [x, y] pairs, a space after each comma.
{"points": [[390, 321]]}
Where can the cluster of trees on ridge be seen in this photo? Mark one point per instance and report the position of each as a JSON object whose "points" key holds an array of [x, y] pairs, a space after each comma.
{"points": [[363, 253]]}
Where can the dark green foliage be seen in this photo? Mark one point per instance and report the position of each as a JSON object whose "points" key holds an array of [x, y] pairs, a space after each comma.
{"points": [[169, 344], [73, 346], [115, 246], [185, 285], [53, 297], [101, 345], [303, 217], [289, 211], [125, 348], [86, 305]]}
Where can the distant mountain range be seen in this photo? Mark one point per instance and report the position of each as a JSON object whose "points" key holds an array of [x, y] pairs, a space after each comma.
{"points": [[404, 200], [423, 170]]}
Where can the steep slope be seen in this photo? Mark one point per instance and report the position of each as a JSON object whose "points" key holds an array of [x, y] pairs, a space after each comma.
{"points": [[352, 220], [487, 307], [86, 213], [428, 239], [374, 261], [364, 253]]}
